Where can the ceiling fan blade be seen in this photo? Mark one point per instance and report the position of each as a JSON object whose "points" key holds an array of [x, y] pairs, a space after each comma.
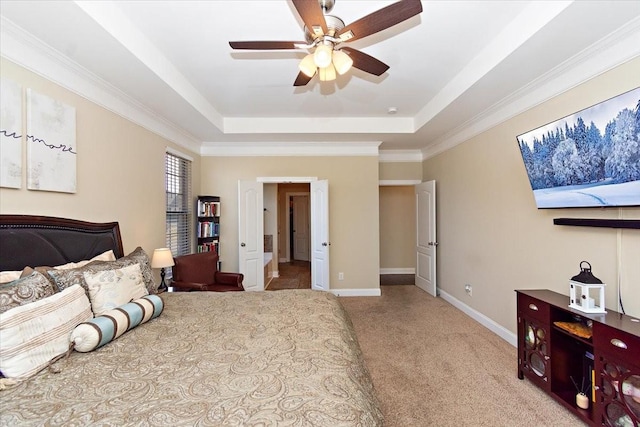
{"points": [[366, 63], [311, 14], [266, 45], [381, 19], [302, 79]]}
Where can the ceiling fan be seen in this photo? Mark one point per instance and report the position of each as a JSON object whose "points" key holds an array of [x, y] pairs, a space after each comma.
{"points": [[326, 34]]}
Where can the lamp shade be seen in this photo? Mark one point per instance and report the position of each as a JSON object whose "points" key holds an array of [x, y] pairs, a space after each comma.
{"points": [[322, 56], [342, 62], [308, 65], [162, 258], [327, 74]]}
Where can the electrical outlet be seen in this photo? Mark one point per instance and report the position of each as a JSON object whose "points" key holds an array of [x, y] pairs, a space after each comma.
{"points": [[468, 289], [341, 276]]}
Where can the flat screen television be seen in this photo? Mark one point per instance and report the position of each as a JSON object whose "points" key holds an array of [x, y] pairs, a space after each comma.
{"points": [[587, 159]]}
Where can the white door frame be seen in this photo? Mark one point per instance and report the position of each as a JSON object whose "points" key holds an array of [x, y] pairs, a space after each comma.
{"points": [[287, 226], [291, 180]]}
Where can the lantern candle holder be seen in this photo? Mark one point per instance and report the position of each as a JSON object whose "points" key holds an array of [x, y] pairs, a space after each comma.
{"points": [[586, 292]]}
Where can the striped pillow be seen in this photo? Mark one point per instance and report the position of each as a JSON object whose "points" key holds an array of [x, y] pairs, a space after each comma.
{"points": [[105, 328], [35, 333]]}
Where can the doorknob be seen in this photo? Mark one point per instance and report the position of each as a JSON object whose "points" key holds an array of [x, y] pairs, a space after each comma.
{"points": [[243, 245], [432, 243], [326, 244]]}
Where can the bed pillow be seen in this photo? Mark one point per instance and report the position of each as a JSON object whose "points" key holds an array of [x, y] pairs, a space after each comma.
{"points": [[24, 291], [112, 288], [34, 334], [105, 256], [75, 276], [102, 329]]}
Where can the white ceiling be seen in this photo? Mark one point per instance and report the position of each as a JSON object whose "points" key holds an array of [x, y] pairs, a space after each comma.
{"points": [[456, 69]]}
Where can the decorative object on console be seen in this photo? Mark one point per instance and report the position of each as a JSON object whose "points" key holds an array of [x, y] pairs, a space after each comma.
{"points": [[162, 258], [582, 401], [586, 292]]}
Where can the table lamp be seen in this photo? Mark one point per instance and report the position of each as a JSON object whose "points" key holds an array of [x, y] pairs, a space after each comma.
{"points": [[161, 259]]}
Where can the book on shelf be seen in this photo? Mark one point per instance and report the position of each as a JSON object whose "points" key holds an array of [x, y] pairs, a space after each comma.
{"points": [[208, 208], [208, 229], [208, 247], [589, 373]]}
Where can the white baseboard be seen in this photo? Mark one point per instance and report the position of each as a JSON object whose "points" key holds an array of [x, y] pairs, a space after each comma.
{"points": [[494, 327], [370, 292], [275, 273], [283, 260], [397, 271]]}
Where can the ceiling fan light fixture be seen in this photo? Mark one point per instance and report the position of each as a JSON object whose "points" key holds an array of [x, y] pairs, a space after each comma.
{"points": [[327, 74], [323, 55], [342, 62], [308, 65]]}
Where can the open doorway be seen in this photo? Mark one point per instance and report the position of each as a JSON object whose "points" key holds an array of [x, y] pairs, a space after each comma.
{"points": [[251, 230], [294, 266]]}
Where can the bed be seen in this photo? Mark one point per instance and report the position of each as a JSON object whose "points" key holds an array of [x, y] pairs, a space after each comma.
{"points": [[284, 358]]}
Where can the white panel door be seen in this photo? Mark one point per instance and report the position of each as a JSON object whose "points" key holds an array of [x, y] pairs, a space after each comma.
{"points": [[320, 279], [251, 240], [301, 227], [426, 242]]}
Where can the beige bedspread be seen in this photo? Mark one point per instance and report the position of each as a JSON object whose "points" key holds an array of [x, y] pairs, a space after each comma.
{"points": [[284, 358]]}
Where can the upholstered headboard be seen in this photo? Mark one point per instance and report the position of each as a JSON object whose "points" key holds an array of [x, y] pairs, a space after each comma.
{"points": [[27, 240]]}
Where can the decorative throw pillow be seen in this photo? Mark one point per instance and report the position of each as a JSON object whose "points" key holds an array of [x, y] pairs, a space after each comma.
{"points": [[9, 276], [141, 257], [28, 271], [24, 291], [112, 288], [75, 276], [102, 329], [33, 334]]}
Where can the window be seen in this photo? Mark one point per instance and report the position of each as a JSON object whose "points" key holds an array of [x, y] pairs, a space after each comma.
{"points": [[179, 211]]}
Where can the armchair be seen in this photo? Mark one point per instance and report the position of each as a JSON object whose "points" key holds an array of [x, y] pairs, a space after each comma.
{"points": [[199, 272]]}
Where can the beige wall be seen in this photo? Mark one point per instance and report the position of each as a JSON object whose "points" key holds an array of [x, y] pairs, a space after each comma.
{"points": [[492, 236], [353, 207], [397, 227], [120, 171], [400, 171]]}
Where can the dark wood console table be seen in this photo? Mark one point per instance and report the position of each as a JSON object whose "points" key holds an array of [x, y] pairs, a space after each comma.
{"points": [[553, 358]]}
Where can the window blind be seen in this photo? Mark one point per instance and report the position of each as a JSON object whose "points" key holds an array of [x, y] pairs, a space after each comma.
{"points": [[179, 210]]}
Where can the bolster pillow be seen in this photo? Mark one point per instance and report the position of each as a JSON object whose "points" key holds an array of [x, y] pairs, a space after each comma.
{"points": [[102, 329]]}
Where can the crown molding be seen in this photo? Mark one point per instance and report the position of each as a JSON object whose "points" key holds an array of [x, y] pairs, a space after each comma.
{"points": [[24, 49], [400, 156], [398, 182], [289, 149], [609, 52]]}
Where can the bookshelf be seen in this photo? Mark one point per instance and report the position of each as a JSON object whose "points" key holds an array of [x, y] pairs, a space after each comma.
{"points": [[208, 224]]}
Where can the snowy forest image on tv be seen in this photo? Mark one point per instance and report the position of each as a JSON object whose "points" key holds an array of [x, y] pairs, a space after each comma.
{"points": [[588, 159]]}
